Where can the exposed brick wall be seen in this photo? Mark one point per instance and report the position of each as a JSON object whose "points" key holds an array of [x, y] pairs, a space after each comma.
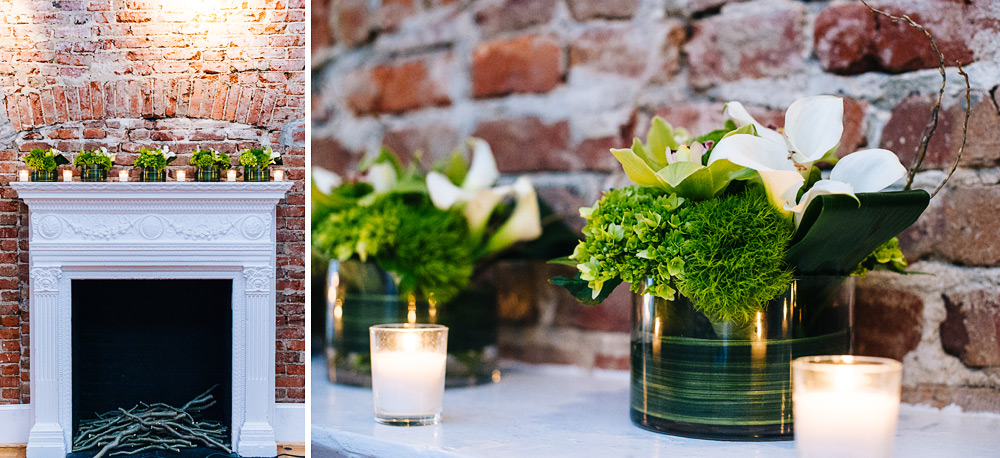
{"points": [[553, 84], [124, 74]]}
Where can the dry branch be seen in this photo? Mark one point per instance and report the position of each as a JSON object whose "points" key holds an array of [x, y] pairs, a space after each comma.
{"points": [[148, 427]]}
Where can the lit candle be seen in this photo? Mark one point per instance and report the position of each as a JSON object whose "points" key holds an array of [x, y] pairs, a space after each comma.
{"points": [[180, 175], [22, 175], [123, 175], [67, 175], [231, 175], [279, 175], [408, 367], [845, 405]]}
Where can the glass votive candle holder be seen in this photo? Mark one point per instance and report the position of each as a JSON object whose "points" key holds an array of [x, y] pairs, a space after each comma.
{"points": [[408, 365], [845, 406]]}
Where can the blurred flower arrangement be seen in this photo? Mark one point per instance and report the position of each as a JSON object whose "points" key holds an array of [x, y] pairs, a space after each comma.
{"points": [[432, 230]]}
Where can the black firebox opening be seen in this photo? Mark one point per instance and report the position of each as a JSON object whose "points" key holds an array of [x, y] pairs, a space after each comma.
{"points": [[151, 341]]}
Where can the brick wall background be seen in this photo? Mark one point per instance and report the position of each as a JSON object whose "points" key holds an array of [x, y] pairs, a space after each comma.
{"points": [[552, 84], [131, 73]]}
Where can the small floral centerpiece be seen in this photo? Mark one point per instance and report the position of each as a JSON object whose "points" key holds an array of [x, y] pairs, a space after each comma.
{"points": [[153, 162], [210, 164], [256, 161], [742, 250], [43, 163], [405, 245], [95, 164]]}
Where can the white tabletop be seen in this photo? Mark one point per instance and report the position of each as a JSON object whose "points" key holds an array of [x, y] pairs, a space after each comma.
{"points": [[563, 411]]}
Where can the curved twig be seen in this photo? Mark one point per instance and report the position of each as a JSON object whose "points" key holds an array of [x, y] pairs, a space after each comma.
{"points": [[921, 151], [965, 130]]}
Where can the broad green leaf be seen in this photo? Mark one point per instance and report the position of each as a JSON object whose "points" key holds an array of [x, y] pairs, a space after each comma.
{"points": [[579, 289], [563, 261], [748, 129], [693, 181], [836, 234], [61, 160], [637, 170]]}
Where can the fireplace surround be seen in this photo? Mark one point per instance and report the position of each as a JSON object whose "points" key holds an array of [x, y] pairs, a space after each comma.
{"points": [[149, 231]]}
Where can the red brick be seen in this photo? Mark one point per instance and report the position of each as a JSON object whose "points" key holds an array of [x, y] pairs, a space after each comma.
{"points": [[905, 128], [530, 64], [435, 141], [402, 87], [526, 144], [971, 329], [887, 322], [584, 10], [848, 39], [498, 16], [724, 48], [352, 24]]}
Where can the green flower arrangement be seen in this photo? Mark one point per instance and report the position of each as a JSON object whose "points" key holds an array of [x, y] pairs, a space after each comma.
{"points": [[730, 218], [431, 230], [259, 157], [44, 159], [155, 158], [210, 159], [97, 157]]}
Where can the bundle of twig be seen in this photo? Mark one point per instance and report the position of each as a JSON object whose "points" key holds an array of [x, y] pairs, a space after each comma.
{"points": [[149, 427]]}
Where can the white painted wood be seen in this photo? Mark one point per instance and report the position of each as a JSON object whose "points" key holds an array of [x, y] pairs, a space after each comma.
{"points": [[152, 231]]}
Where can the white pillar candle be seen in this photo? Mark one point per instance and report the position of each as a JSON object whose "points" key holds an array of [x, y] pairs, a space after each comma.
{"points": [[279, 175], [408, 369], [231, 175], [180, 175], [22, 175], [67, 175], [845, 406], [123, 175]]}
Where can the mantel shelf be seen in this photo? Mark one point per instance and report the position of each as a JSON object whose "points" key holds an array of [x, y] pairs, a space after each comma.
{"points": [[554, 411]]}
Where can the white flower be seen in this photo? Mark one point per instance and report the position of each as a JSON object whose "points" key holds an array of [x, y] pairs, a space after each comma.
{"points": [[112, 157], [813, 127], [324, 180], [475, 192], [382, 177], [523, 224]]}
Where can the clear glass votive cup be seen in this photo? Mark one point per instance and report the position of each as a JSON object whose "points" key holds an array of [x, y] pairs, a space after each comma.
{"points": [[408, 366], [845, 406]]}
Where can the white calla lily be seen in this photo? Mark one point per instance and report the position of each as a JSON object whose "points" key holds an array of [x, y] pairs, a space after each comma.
{"points": [[742, 117], [483, 170], [325, 180], [523, 224], [870, 170], [443, 192], [781, 178], [813, 127], [382, 177]]}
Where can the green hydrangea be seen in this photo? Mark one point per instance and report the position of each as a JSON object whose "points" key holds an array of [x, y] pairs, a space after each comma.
{"points": [[210, 159], [42, 159], [632, 234]]}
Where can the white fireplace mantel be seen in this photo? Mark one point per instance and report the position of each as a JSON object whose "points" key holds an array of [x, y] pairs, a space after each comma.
{"points": [[152, 231]]}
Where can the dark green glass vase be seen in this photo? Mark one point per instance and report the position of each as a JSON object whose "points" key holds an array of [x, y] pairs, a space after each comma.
{"points": [[207, 174], [360, 295], [150, 174], [257, 174], [44, 175], [731, 381], [93, 173]]}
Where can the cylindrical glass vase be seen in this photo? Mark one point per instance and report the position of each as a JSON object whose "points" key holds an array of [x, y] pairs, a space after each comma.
{"points": [[44, 175], [731, 381], [150, 174], [360, 295], [207, 174], [256, 174], [93, 173]]}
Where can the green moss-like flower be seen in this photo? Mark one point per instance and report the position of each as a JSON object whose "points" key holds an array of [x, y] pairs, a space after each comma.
{"points": [[259, 157], [210, 159], [734, 256], [632, 234], [429, 250], [154, 158], [42, 159]]}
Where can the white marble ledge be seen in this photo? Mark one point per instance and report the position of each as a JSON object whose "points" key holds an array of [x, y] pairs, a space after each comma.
{"points": [[557, 411]]}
